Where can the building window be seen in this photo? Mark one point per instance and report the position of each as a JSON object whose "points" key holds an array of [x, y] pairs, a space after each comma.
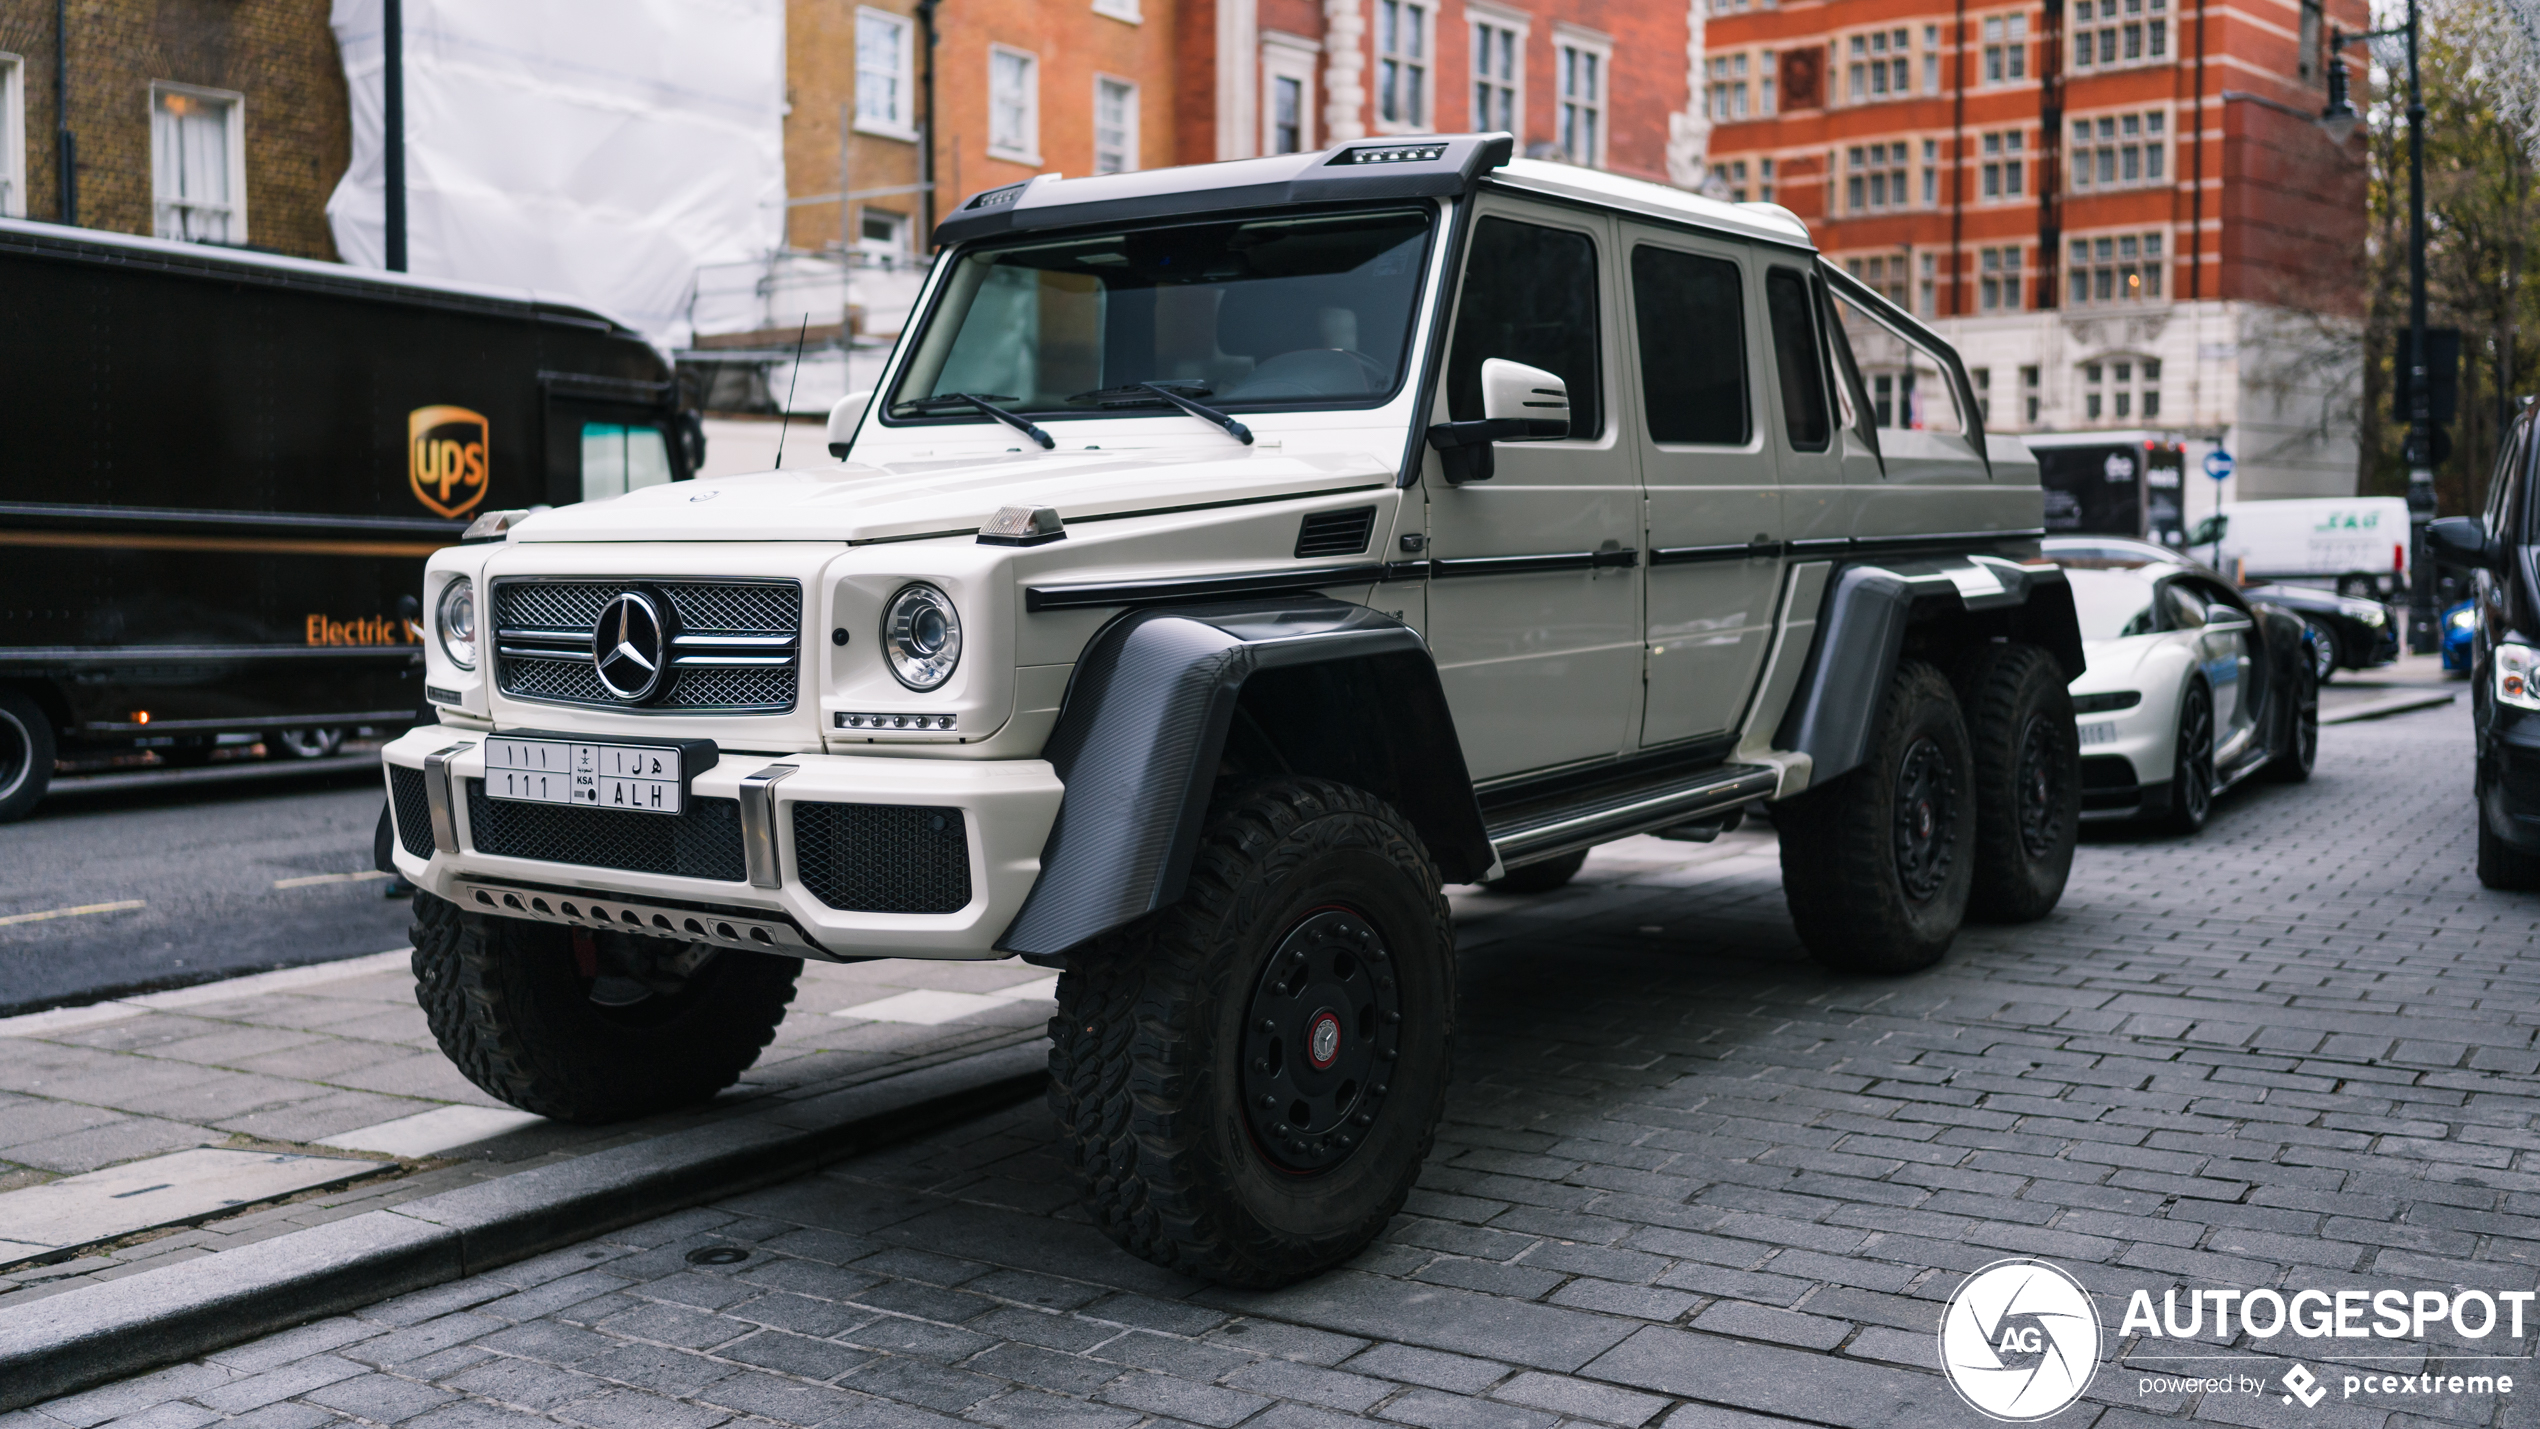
{"points": [[1926, 286], [2120, 151], [1499, 67], [2108, 33], [1882, 66], [1115, 125], [1765, 190], [198, 164], [882, 75], [2004, 174], [1983, 379], [881, 237], [1931, 173], [12, 136], [1287, 94], [1876, 178], [2028, 393], [2308, 66], [1582, 102], [1886, 273], [1402, 64], [2005, 49], [2116, 268], [1998, 280], [1726, 96], [2121, 389], [1014, 106], [1765, 72], [1931, 59]]}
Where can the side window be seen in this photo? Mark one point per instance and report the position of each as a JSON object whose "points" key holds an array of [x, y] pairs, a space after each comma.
{"points": [[1690, 316], [1529, 296], [1805, 417], [2503, 494], [1855, 397], [2186, 608], [1909, 383]]}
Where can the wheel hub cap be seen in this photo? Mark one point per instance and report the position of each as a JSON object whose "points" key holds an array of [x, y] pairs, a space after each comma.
{"points": [[2039, 824], [1321, 1034], [1923, 804]]}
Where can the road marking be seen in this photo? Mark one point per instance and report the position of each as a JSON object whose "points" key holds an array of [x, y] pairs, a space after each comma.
{"points": [[81, 911], [311, 880]]}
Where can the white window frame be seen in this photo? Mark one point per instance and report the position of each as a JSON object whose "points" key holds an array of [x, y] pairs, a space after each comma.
{"points": [[1294, 57], [235, 107], [903, 125], [887, 253], [12, 136], [1424, 62], [1125, 11], [1129, 135], [1522, 29], [1030, 151], [1566, 40]]}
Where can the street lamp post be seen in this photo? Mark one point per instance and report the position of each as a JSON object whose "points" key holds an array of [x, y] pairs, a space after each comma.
{"points": [[2339, 119]]}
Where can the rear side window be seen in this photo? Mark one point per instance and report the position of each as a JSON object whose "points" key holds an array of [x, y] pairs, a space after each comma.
{"points": [[1691, 321], [1806, 417], [1529, 296], [2504, 489]]}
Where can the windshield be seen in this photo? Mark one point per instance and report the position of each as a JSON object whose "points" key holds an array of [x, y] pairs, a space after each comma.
{"points": [[1248, 313], [2112, 604]]}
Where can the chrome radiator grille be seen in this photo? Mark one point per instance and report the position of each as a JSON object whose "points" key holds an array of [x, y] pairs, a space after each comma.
{"points": [[738, 649]]}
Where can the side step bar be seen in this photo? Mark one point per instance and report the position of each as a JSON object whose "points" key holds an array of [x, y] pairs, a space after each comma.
{"points": [[1534, 834]]}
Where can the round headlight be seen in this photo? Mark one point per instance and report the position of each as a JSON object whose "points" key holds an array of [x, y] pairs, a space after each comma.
{"points": [[922, 634], [455, 619]]}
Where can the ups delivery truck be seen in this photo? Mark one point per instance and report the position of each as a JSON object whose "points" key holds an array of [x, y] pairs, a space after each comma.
{"points": [[224, 470]]}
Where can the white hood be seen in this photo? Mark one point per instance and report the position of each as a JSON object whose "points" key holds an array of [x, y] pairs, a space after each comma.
{"points": [[854, 501]]}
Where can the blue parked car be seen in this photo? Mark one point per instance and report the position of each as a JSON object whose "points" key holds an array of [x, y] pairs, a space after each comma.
{"points": [[2460, 629]]}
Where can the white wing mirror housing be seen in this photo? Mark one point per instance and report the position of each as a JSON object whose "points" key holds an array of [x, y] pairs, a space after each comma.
{"points": [[844, 418], [1519, 404]]}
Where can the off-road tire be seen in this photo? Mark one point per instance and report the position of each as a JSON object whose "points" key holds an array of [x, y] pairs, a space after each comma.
{"points": [[26, 755], [2302, 733], [1146, 1074], [2028, 780], [510, 1004], [1541, 877], [2192, 763], [2503, 867], [1841, 843]]}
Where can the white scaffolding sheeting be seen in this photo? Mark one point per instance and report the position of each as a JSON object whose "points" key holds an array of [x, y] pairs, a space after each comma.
{"points": [[601, 151]]}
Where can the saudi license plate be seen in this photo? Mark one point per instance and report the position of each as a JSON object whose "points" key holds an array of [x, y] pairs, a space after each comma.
{"points": [[2097, 734], [644, 778]]}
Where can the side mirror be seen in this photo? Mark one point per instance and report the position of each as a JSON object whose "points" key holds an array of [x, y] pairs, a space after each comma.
{"points": [[2460, 540], [1519, 404], [843, 420], [2209, 530]]}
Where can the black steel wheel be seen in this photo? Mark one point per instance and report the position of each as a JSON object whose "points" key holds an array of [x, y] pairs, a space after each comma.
{"points": [[1320, 1039], [1875, 864], [2027, 779], [1926, 822], [1248, 1080], [2192, 766], [26, 755]]}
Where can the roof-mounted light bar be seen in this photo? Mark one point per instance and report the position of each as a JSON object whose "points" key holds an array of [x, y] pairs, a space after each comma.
{"points": [[1391, 154]]}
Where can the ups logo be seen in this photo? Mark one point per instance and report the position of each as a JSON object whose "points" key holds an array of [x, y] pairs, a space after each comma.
{"points": [[446, 453]]}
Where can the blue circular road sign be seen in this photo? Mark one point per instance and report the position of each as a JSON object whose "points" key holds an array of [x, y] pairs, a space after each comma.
{"points": [[2218, 463]]}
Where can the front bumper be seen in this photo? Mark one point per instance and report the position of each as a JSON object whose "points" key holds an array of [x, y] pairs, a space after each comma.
{"points": [[2509, 776], [2126, 763], [961, 839]]}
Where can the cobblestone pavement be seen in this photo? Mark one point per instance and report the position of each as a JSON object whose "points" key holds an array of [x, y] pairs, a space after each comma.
{"points": [[1686, 1179]]}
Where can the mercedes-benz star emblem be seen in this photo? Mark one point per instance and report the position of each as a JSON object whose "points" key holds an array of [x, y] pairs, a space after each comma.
{"points": [[631, 648]]}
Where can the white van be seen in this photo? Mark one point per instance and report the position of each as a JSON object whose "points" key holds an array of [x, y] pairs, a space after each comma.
{"points": [[2360, 542]]}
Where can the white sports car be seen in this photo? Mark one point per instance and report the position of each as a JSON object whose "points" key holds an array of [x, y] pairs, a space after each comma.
{"points": [[2190, 689]]}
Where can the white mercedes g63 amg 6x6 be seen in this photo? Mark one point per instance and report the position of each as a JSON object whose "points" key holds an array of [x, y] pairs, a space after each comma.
{"points": [[1230, 558]]}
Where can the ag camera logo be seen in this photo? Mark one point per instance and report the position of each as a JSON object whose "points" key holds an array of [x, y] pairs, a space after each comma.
{"points": [[2019, 1341]]}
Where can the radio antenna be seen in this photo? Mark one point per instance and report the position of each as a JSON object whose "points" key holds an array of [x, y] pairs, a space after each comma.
{"points": [[786, 418]]}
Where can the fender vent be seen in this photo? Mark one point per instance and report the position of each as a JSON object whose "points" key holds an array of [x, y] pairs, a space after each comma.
{"points": [[414, 810], [1336, 533], [883, 858]]}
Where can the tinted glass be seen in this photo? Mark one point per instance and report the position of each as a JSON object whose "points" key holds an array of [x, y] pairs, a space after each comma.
{"points": [[1248, 313], [2186, 608], [1692, 328], [1805, 416], [1529, 296], [2111, 605]]}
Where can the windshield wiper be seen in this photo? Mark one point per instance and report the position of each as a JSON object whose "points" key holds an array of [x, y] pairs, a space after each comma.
{"points": [[1143, 393], [1022, 424]]}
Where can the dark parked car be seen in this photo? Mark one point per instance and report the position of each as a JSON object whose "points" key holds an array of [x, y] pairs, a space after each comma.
{"points": [[2347, 632], [2504, 659]]}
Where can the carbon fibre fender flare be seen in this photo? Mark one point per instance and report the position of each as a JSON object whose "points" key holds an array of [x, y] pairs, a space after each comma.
{"points": [[1144, 726]]}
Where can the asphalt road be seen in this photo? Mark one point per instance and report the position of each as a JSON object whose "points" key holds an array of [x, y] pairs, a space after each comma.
{"points": [[199, 867]]}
